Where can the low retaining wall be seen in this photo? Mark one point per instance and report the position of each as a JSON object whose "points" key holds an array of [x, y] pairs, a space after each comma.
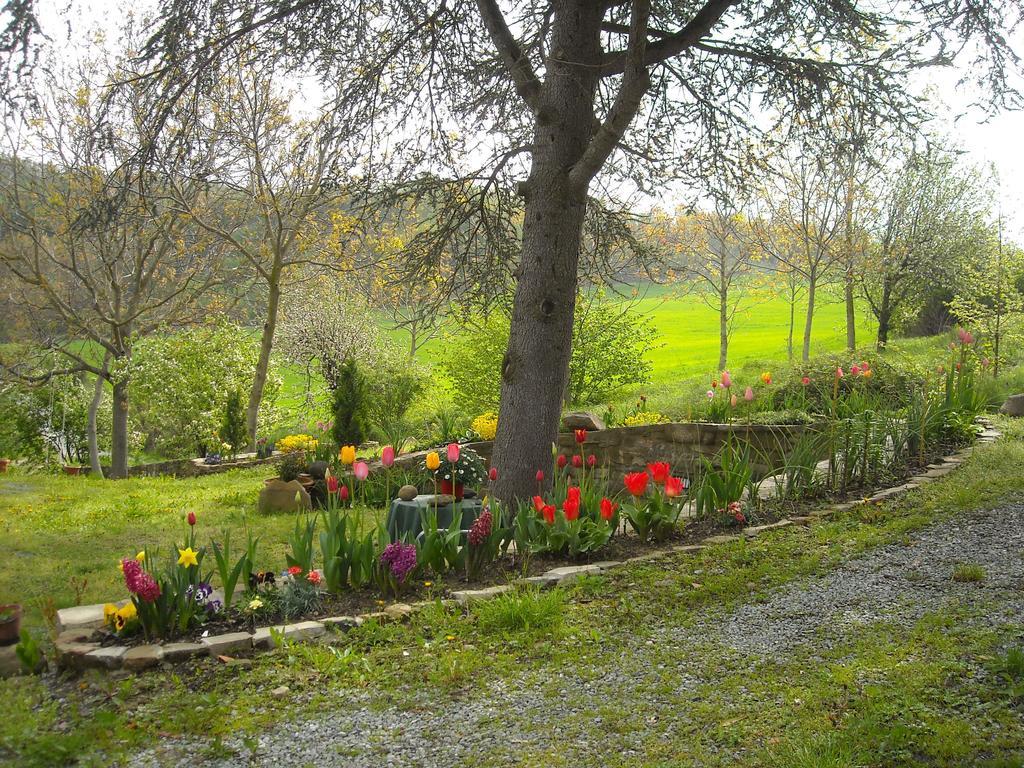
{"points": [[195, 467]]}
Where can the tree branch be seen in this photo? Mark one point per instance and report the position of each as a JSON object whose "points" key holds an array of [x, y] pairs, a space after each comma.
{"points": [[516, 62]]}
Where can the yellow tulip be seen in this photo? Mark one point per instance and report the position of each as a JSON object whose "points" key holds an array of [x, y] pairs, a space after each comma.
{"points": [[433, 461], [347, 454]]}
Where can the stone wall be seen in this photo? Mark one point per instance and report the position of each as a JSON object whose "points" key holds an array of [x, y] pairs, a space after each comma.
{"points": [[196, 467]]}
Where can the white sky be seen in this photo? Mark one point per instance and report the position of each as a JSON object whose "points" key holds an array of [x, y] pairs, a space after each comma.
{"points": [[997, 140]]}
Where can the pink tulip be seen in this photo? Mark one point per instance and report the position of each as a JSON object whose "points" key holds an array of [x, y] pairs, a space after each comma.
{"points": [[711, 394], [387, 456], [985, 362], [839, 373], [855, 370], [361, 470], [733, 400], [453, 453], [748, 395], [726, 379], [805, 380]]}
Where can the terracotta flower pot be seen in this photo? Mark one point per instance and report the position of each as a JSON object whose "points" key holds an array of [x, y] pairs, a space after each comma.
{"points": [[10, 624], [3, 465], [72, 470], [448, 488]]}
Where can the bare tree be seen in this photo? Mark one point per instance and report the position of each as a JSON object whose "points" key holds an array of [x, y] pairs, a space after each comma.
{"points": [[98, 257], [544, 97]]}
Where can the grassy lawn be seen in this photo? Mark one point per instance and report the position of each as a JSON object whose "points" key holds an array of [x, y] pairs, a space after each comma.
{"points": [[918, 694], [70, 532]]}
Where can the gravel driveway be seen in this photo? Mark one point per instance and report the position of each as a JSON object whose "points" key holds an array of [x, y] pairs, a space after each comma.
{"points": [[522, 721]]}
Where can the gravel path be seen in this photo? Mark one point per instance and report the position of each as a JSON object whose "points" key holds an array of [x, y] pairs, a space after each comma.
{"points": [[519, 721]]}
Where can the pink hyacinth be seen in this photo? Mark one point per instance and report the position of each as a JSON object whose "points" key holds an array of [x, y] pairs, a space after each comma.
{"points": [[453, 452], [480, 529], [387, 456], [139, 582]]}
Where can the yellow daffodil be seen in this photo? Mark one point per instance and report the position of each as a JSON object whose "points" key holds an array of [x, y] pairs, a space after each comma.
{"points": [[428, 583], [141, 556], [347, 454], [187, 557], [433, 461]]}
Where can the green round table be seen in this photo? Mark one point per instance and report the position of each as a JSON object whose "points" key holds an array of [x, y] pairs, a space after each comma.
{"points": [[404, 521]]}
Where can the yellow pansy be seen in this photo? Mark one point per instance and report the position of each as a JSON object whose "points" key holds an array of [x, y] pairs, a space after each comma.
{"points": [[109, 611], [187, 557]]}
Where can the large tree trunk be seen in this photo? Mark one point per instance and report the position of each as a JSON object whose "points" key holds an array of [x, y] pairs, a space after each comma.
{"points": [[809, 321], [252, 412], [94, 405], [851, 315], [792, 327], [723, 328], [119, 431], [534, 371]]}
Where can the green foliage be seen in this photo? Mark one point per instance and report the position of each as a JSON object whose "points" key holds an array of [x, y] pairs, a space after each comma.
{"points": [[349, 553], [181, 382], [29, 653], [611, 343], [397, 384], [350, 401], [439, 548], [233, 429], [724, 480], [230, 574], [968, 572], [300, 543], [522, 610], [292, 465]]}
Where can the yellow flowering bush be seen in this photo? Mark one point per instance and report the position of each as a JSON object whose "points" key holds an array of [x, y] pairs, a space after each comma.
{"points": [[296, 443], [640, 418], [486, 425]]}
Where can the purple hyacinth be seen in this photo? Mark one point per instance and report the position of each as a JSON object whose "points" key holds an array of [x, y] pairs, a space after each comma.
{"points": [[400, 559], [480, 529]]}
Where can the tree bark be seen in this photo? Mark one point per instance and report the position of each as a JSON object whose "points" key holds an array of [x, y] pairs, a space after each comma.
{"points": [[535, 368], [94, 405], [119, 431], [259, 381], [809, 321], [884, 315], [851, 315], [723, 327]]}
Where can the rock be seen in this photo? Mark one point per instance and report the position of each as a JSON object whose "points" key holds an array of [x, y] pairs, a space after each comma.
{"points": [[176, 652], [10, 664], [263, 638], [105, 658], [1014, 406], [317, 470], [582, 420], [720, 539], [142, 657], [80, 616], [441, 500], [72, 655], [470, 596], [399, 611], [407, 492], [219, 645], [342, 623], [280, 496], [280, 692], [569, 573]]}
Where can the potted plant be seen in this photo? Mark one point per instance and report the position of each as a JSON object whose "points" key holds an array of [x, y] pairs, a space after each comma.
{"points": [[263, 449], [10, 623], [72, 469], [4, 463], [459, 466]]}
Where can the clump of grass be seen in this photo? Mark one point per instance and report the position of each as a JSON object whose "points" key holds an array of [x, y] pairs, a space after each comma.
{"points": [[522, 610], [968, 572]]}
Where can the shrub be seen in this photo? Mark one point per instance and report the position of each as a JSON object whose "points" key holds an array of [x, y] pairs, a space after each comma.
{"points": [[233, 429], [292, 465], [485, 425], [642, 418], [968, 572], [296, 444], [349, 403]]}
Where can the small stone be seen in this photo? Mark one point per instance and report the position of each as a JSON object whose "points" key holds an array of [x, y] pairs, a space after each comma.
{"points": [[541, 581], [582, 420], [72, 655], [263, 638], [399, 611], [280, 692], [142, 657], [569, 573], [176, 652], [407, 492], [80, 617], [343, 623], [10, 664], [688, 548], [1013, 406], [219, 645], [470, 596], [105, 658], [721, 539]]}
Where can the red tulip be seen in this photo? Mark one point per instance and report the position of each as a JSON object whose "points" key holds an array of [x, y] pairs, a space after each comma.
{"points": [[608, 508], [581, 436], [591, 461], [573, 492], [540, 475], [571, 507], [492, 473], [674, 486], [332, 484], [636, 483], [561, 461], [343, 493], [805, 380], [191, 518], [548, 511], [538, 503], [577, 461], [855, 370], [387, 456], [660, 471], [453, 453]]}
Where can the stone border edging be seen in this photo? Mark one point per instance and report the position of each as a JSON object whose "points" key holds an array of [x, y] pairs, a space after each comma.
{"points": [[75, 625]]}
